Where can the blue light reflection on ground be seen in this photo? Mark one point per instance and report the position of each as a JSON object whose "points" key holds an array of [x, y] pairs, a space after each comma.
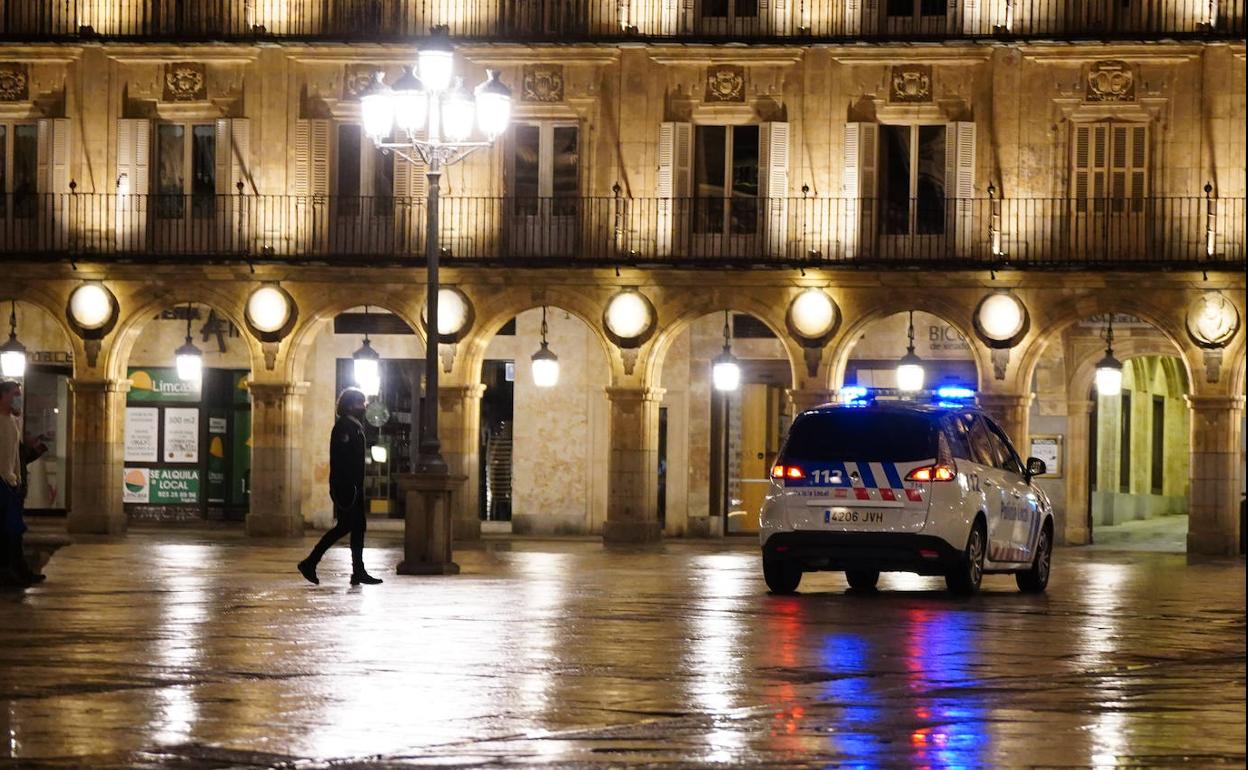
{"points": [[940, 653], [846, 658]]}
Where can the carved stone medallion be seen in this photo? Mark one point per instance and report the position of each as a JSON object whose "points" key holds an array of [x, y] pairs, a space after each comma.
{"points": [[1110, 81], [14, 82], [542, 83], [910, 83], [725, 83], [185, 82], [356, 78]]}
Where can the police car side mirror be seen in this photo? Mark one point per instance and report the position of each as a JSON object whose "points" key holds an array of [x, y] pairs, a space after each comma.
{"points": [[1036, 467]]}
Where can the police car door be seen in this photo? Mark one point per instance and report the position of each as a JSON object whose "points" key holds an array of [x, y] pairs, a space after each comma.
{"points": [[992, 482], [1020, 504]]}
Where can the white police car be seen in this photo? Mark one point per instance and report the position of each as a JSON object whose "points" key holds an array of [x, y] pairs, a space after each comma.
{"points": [[897, 486]]}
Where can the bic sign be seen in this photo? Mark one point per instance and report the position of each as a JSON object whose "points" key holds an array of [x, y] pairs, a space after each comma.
{"points": [[946, 338]]}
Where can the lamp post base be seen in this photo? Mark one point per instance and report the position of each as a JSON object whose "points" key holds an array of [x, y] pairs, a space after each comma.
{"points": [[428, 528]]}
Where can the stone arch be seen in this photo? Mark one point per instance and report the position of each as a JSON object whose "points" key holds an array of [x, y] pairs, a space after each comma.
{"points": [[494, 311], [1064, 316], [1080, 381], [315, 313], [884, 305], [147, 303], [695, 305], [52, 305]]}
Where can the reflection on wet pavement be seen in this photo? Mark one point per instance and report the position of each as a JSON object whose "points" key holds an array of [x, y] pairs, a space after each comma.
{"points": [[205, 650]]}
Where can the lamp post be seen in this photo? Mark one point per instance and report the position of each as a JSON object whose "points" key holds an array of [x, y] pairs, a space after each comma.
{"points": [[428, 116]]}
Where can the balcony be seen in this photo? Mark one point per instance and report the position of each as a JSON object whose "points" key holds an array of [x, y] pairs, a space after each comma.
{"points": [[401, 21], [1132, 234]]}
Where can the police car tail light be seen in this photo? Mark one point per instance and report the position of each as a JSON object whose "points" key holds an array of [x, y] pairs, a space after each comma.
{"points": [[790, 472], [938, 472]]}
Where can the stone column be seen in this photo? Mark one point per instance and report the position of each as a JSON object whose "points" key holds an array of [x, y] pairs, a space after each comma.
{"points": [[276, 461], [1013, 413], [632, 466], [460, 426], [809, 399], [1075, 474], [97, 456], [1213, 525]]}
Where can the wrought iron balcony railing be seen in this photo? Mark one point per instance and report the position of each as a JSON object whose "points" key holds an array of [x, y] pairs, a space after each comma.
{"points": [[1135, 233], [563, 20]]}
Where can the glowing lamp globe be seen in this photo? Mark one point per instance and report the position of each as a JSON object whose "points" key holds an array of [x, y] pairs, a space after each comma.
{"points": [[458, 114], [13, 358], [91, 306], [377, 111], [452, 312], [628, 315], [189, 361], [1109, 376], [910, 373], [411, 103], [366, 369], [268, 309], [1001, 317], [726, 372], [812, 313], [545, 368], [435, 62], [493, 105]]}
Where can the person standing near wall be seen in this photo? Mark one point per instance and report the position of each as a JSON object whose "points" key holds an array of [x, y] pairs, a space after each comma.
{"points": [[347, 445], [14, 571]]}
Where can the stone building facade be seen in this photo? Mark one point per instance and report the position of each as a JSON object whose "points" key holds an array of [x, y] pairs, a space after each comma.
{"points": [[1091, 167]]}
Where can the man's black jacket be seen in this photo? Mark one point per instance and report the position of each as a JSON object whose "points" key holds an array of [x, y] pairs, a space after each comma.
{"points": [[347, 445]]}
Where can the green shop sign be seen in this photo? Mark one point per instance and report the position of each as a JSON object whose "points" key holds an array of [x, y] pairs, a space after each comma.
{"points": [[161, 385], [161, 486]]}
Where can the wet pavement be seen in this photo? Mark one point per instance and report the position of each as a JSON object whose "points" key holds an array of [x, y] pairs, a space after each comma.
{"points": [[205, 650]]}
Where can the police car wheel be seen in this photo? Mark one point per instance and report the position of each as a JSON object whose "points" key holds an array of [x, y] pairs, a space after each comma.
{"points": [[782, 577], [966, 576], [862, 579], [1036, 578]]}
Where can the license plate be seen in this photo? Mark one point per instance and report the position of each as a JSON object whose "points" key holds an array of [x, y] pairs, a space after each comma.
{"points": [[851, 516]]}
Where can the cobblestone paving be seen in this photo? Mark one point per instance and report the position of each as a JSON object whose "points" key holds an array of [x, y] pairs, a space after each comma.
{"points": [[206, 650]]}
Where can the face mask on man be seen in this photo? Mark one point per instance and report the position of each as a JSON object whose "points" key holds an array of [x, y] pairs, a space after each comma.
{"points": [[15, 405]]}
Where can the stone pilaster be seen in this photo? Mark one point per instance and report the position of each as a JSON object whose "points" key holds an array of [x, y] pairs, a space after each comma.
{"points": [[1213, 525], [97, 457], [460, 425], [1012, 412], [632, 466], [276, 459], [1074, 530]]}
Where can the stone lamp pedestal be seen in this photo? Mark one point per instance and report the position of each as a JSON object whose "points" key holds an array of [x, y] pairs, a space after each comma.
{"points": [[428, 527]]}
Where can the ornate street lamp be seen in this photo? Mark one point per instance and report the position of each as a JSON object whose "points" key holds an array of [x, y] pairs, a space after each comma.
{"points": [[725, 370], [1109, 369], [910, 373], [188, 358], [545, 363], [428, 116], [366, 365], [13, 353]]}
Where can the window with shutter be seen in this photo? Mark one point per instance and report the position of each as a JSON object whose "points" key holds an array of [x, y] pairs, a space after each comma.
{"points": [[133, 164], [672, 182], [1109, 167], [774, 162], [859, 152]]}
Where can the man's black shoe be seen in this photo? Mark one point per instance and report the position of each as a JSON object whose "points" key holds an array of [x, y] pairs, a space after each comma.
{"points": [[363, 577], [308, 570]]}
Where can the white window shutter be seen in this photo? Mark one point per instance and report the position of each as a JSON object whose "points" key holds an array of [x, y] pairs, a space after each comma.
{"points": [[311, 183], [859, 152], [1089, 166], [53, 152], [861, 16], [134, 147], [774, 187], [224, 149], [1128, 167], [673, 181], [960, 184], [410, 181]]}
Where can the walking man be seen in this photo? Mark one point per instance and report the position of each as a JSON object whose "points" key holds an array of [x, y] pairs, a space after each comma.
{"points": [[347, 446], [14, 571]]}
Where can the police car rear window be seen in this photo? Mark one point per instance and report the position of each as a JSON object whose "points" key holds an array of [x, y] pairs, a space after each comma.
{"points": [[860, 436]]}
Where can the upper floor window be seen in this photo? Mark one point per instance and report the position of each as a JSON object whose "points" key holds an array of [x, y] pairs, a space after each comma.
{"points": [[364, 175], [19, 169], [1109, 167], [912, 179], [725, 179], [544, 168], [729, 9], [186, 167]]}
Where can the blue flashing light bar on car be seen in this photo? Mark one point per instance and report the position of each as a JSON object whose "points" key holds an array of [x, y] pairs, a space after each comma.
{"points": [[954, 393], [855, 394]]}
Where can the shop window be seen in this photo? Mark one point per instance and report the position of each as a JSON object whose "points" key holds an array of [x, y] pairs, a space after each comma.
{"points": [[19, 170]]}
